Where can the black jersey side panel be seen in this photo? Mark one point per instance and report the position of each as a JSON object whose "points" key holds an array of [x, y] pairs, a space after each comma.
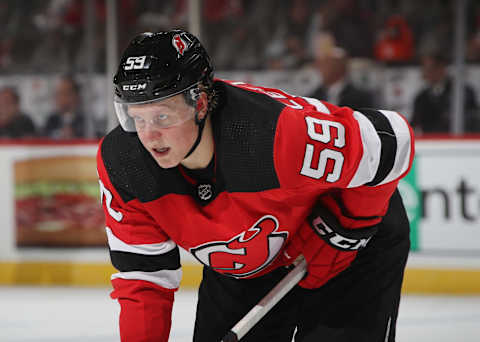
{"points": [[245, 126]]}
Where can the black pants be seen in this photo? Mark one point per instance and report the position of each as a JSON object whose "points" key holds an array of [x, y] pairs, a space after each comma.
{"points": [[360, 304]]}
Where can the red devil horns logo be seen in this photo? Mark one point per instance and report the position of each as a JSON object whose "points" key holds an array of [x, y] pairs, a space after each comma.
{"points": [[179, 44], [246, 253]]}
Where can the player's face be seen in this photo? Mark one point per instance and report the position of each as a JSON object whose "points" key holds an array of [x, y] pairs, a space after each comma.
{"points": [[166, 129]]}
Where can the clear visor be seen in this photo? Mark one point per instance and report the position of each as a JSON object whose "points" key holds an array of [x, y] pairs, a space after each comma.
{"points": [[134, 117]]}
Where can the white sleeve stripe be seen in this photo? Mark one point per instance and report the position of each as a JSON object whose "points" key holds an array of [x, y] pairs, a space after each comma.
{"points": [[169, 279], [317, 104], [371, 144], [116, 244], [404, 144]]}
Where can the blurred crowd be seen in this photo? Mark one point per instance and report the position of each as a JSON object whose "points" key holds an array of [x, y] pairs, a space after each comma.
{"points": [[51, 35], [68, 37], [68, 119]]}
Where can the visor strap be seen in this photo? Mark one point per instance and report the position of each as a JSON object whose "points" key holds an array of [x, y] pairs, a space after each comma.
{"points": [[201, 125]]}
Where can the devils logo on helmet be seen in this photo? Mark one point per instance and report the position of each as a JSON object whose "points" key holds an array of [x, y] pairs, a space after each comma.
{"points": [[246, 253], [179, 44]]}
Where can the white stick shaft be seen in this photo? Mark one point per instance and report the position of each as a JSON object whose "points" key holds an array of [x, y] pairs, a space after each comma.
{"points": [[272, 298]]}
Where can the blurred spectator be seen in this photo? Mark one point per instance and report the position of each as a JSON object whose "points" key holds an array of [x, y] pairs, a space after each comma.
{"points": [[224, 28], [436, 34], [19, 34], [288, 45], [395, 42], [298, 22], [68, 120], [13, 123], [251, 36], [154, 15], [62, 28], [336, 87], [431, 109], [351, 22], [473, 40]]}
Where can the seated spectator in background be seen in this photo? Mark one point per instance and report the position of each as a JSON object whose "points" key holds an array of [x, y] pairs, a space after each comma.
{"points": [[288, 44], [68, 120], [395, 42], [336, 88], [352, 24], [222, 21], [13, 123], [431, 108]]}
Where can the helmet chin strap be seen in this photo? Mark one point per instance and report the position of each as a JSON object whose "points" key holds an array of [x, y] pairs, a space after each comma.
{"points": [[201, 124]]}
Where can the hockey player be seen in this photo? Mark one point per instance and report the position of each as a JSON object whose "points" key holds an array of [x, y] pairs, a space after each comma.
{"points": [[246, 179]]}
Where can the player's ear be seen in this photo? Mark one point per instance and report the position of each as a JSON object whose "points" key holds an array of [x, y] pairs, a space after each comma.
{"points": [[202, 105]]}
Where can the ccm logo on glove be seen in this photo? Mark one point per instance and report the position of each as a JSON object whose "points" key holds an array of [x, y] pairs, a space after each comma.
{"points": [[327, 227]]}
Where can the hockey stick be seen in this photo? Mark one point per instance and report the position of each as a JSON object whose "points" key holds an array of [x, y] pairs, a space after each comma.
{"points": [[273, 297]]}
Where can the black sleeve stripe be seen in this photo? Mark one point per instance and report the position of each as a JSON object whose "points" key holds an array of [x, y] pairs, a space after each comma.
{"points": [[128, 262], [388, 140]]}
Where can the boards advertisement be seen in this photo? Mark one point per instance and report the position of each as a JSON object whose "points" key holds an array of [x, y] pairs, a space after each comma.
{"points": [[53, 230], [442, 195], [56, 202]]}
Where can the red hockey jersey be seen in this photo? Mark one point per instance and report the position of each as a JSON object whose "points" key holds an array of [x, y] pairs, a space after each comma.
{"points": [[276, 155]]}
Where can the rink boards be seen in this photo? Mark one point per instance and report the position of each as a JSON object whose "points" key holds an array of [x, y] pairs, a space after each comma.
{"points": [[442, 196]]}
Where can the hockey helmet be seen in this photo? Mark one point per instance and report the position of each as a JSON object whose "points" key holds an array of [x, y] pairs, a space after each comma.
{"points": [[155, 66]]}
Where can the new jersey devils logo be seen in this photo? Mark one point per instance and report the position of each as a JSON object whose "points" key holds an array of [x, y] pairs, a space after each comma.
{"points": [[179, 44], [246, 253]]}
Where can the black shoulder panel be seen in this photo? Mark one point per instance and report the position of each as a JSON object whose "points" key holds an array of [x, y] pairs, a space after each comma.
{"points": [[244, 129], [133, 172]]}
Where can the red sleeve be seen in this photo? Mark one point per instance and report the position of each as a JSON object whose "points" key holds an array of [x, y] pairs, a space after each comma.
{"points": [[145, 296], [317, 149], [145, 310], [353, 159]]}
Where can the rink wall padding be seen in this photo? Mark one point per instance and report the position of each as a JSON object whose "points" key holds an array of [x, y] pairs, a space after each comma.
{"points": [[74, 274], [441, 281], [441, 195], [417, 280]]}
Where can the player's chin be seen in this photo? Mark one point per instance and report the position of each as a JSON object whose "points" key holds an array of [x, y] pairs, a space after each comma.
{"points": [[166, 162]]}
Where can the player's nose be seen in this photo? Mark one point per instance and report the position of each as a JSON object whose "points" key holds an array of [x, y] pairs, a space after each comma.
{"points": [[151, 132]]}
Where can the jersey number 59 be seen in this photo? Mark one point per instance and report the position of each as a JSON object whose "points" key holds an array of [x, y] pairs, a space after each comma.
{"points": [[324, 135]]}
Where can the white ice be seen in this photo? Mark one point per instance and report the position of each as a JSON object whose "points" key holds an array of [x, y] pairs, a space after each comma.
{"points": [[66, 314]]}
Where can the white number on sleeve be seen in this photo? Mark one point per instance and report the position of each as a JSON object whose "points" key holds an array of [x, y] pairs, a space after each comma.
{"points": [[325, 137], [117, 216]]}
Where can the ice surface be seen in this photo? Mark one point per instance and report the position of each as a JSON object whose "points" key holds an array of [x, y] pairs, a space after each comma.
{"points": [[66, 314]]}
